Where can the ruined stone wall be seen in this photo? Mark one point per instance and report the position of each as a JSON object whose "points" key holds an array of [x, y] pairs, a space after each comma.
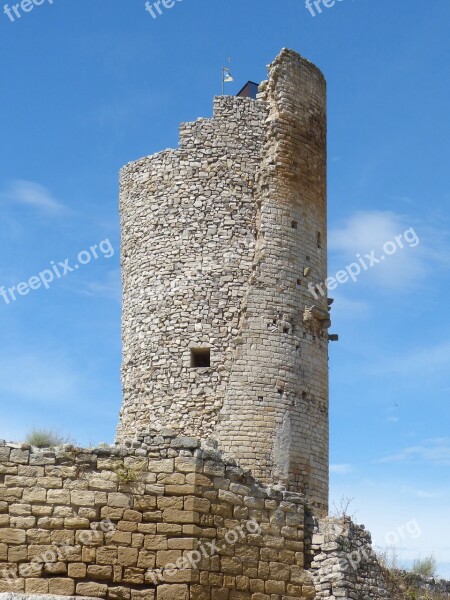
{"points": [[220, 240], [115, 522], [344, 563]]}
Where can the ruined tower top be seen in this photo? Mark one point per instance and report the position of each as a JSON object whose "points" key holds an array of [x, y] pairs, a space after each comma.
{"points": [[220, 240]]}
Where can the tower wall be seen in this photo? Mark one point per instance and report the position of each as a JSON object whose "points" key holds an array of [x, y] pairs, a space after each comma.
{"points": [[275, 414], [188, 240], [220, 240]]}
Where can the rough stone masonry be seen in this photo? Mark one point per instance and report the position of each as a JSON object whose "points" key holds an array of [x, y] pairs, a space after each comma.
{"points": [[220, 239]]}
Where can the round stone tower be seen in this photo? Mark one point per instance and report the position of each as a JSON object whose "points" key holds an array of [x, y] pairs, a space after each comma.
{"points": [[223, 240]]}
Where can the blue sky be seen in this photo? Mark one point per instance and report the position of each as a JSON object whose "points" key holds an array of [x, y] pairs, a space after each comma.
{"points": [[89, 86]]}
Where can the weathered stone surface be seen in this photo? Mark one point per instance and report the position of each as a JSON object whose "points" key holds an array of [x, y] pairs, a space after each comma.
{"points": [[221, 240], [172, 592]]}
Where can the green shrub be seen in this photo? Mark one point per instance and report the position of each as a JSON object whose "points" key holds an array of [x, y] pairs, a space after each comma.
{"points": [[128, 475], [42, 438], [425, 567]]}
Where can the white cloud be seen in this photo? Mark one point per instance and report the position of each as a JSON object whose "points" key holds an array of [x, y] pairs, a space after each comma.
{"points": [[345, 308], [342, 469], [426, 360], [392, 419], [435, 451], [369, 231], [33, 195]]}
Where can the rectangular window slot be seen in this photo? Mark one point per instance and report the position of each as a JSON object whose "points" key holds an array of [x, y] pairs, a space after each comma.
{"points": [[294, 224], [200, 358]]}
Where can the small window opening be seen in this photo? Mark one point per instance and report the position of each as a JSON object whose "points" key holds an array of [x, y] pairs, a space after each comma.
{"points": [[260, 398], [200, 358], [294, 224], [285, 329], [319, 239], [281, 391]]}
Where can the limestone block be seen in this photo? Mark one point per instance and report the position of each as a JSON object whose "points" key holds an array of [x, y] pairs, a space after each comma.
{"points": [[12, 536], [119, 500], [36, 586], [107, 555], [37, 494], [60, 586], [128, 556], [77, 570], [188, 465], [19, 456], [172, 592], [99, 572], [93, 590], [133, 575]]}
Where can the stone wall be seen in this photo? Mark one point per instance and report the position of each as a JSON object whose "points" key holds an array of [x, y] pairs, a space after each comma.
{"points": [[188, 238], [222, 240], [344, 563], [115, 522]]}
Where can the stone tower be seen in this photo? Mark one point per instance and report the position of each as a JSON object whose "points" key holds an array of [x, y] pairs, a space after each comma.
{"points": [[221, 238]]}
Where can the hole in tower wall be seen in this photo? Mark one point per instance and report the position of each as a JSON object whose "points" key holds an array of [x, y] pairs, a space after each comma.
{"points": [[200, 358], [319, 239], [294, 224]]}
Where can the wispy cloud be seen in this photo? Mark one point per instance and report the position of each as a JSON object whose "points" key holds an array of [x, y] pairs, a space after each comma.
{"points": [[426, 360], [110, 286], [406, 269], [342, 469], [33, 195], [346, 308], [435, 451], [392, 419], [366, 231]]}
